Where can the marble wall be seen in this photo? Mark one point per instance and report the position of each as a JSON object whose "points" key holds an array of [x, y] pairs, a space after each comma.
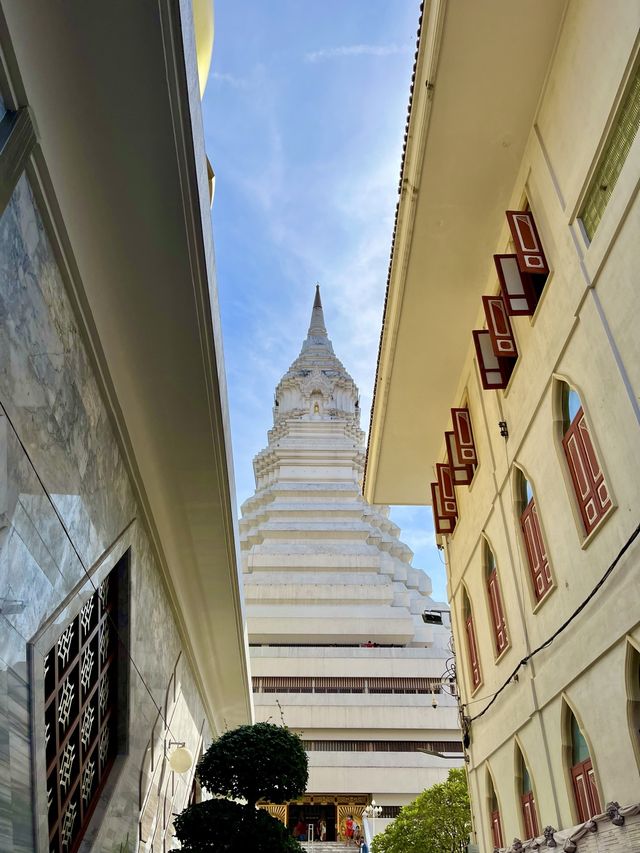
{"points": [[67, 514]]}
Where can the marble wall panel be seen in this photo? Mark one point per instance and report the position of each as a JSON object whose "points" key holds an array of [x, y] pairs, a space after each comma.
{"points": [[67, 506]]}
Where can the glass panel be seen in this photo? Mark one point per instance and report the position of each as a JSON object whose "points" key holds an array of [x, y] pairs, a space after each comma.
{"points": [[528, 491], [579, 748], [526, 779], [571, 405], [490, 560], [466, 606], [613, 158]]}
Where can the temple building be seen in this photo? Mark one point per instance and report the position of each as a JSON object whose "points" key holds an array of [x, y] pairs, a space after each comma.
{"points": [[338, 646], [507, 398]]}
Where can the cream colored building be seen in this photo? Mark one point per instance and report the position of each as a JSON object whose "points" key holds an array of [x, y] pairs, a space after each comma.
{"points": [[338, 645], [532, 108]]}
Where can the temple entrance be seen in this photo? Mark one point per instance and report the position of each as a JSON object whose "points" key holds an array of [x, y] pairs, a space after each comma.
{"points": [[306, 814]]}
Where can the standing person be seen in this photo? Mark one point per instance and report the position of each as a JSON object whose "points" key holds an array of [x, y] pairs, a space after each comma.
{"points": [[322, 829], [300, 832], [348, 826]]}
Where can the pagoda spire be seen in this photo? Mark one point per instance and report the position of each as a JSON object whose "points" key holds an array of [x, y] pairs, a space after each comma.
{"points": [[317, 328]]}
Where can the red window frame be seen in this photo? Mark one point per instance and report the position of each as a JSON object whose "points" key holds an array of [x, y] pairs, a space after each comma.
{"points": [[444, 524], [496, 829], [499, 327], [463, 434], [497, 612], [495, 371], [536, 550], [472, 649], [529, 251], [529, 815], [585, 790], [447, 490], [519, 289], [462, 474], [586, 472]]}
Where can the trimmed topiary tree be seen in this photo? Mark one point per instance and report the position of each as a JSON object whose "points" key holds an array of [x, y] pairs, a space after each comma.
{"points": [[251, 763]]}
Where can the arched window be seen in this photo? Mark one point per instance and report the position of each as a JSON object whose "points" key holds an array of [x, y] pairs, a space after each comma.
{"points": [[495, 600], [583, 777], [586, 472], [472, 646], [527, 800], [494, 814], [533, 539], [633, 697]]}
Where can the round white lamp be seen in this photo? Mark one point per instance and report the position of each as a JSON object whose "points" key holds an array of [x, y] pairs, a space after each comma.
{"points": [[181, 759]]}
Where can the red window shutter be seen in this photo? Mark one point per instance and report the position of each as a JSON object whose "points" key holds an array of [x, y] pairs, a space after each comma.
{"points": [[536, 550], [588, 480], [496, 829], [463, 434], [529, 815], [462, 474], [474, 662], [585, 790], [518, 290], [529, 250], [444, 524], [499, 327], [594, 797], [497, 612], [494, 371], [447, 491]]}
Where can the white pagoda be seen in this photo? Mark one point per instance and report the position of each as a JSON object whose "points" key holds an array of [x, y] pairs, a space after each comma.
{"points": [[339, 649]]}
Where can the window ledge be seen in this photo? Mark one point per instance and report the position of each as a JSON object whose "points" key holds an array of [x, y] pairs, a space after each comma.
{"points": [[498, 658], [545, 597], [591, 536]]}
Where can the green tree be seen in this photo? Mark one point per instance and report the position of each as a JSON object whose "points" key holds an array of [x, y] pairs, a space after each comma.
{"points": [[438, 821], [250, 763]]}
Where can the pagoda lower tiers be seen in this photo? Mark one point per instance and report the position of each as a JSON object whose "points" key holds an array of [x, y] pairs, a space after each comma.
{"points": [[338, 646]]}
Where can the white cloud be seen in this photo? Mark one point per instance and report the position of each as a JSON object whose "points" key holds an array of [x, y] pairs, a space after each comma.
{"points": [[356, 50], [230, 79]]}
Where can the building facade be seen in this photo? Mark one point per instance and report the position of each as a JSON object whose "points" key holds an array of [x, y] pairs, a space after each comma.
{"points": [[338, 646], [509, 380], [121, 625]]}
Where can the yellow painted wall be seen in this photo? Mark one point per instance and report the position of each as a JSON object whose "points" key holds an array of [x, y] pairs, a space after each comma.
{"points": [[586, 330]]}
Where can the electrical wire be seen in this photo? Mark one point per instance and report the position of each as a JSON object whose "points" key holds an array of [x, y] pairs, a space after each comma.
{"points": [[561, 628], [82, 564]]}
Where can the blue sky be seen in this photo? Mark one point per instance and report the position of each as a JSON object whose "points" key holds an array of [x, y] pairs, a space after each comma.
{"points": [[304, 117]]}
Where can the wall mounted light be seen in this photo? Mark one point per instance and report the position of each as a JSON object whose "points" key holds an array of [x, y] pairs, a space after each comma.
{"points": [[181, 759]]}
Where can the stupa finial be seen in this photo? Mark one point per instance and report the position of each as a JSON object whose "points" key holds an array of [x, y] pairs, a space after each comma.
{"points": [[317, 328]]}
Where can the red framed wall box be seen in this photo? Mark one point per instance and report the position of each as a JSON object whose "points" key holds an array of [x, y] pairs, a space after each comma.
{"points": [[585, 790], [80, 722], [443, 523], [529, 815], [529, 251], [463, 435], [497, 612], [519, 289], [589, 484], [536, 550]]}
